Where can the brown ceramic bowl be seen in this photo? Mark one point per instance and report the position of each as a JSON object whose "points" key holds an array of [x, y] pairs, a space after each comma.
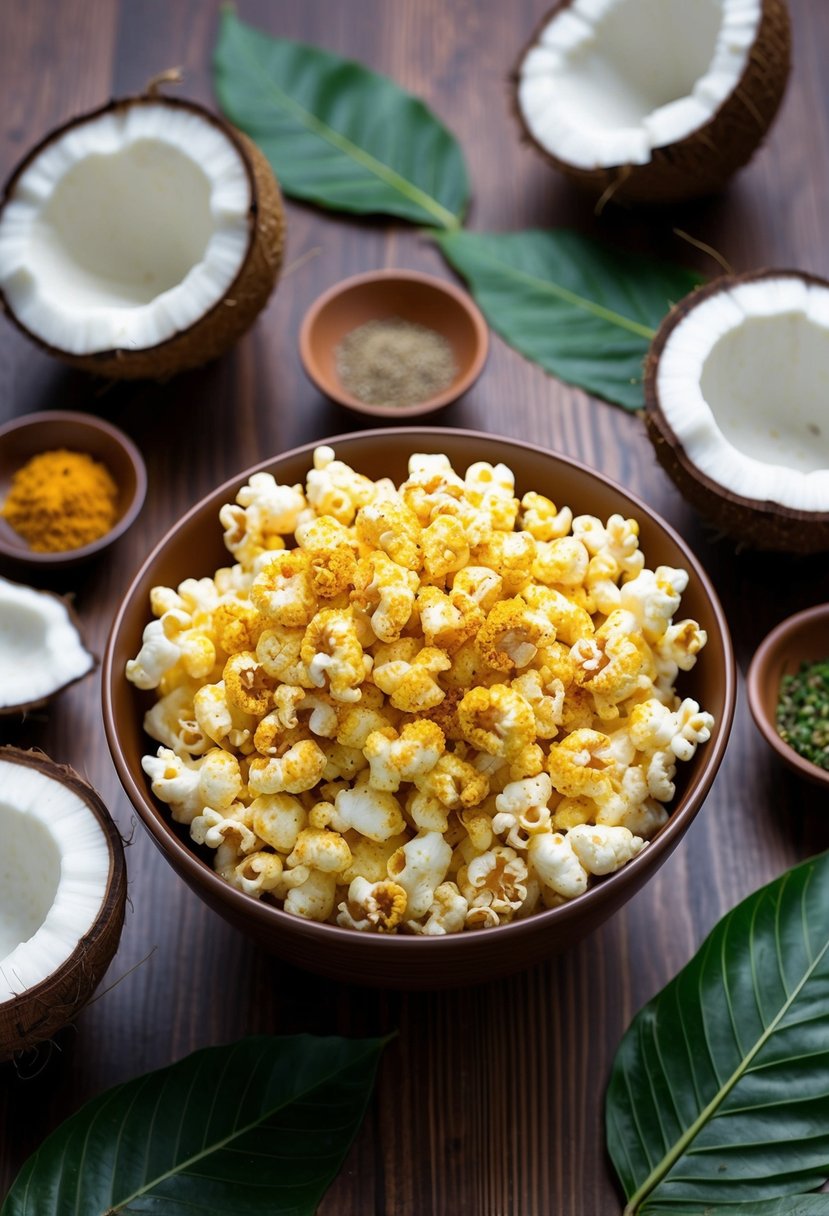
{"points": [[31, 434], [194, 547], [380, 294], [802, 638]]}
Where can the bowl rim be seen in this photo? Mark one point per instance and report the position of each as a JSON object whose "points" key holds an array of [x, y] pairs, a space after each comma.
{"points": [[243, 908], [438, 400], [89, 422], [756, 679]]}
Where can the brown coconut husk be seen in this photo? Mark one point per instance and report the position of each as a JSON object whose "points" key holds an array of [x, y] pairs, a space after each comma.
{"points": [[703, 161], [219, 328], [37, 1014], [756, 523]]}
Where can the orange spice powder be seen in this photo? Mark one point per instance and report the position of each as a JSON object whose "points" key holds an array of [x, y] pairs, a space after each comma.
{"points": [[61, 500]]}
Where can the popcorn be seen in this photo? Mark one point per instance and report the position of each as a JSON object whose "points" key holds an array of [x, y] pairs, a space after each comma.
{"points": [[278, 819], [421, 709], [406, 757], [511, 634], [214, 780], [157, 655], [494, 881], [377, 907], [496, 720], [299, 769], [375, 814], [447, 913], [333, 656], [388, 591], [419, 867], [411, 684], [321, 850]]}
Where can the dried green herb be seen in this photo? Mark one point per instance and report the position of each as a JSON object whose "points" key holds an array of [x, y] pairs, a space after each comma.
{"points": [[391, 361], [803, 712]]}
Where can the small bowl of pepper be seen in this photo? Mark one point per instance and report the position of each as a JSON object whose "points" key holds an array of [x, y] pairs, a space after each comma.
{"points": [[70, 485], [788, 692], [394, 343]]}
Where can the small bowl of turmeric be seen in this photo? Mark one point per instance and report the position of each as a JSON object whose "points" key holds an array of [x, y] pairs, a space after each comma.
{"points": [[70, 485]]}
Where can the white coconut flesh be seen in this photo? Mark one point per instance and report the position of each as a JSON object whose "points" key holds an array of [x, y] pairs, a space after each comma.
{"points": [[41, 650], [743, 383], [610, 80], [125, 229], [54, 870]]}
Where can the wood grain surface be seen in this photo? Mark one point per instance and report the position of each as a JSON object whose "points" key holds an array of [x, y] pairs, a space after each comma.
{"points": [[490, 1099]]}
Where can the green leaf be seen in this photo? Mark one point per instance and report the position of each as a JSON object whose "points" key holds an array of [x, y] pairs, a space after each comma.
{"points": [[586, 313], [719, 1093], [335, 133], [790, 1205], [259, 1126]]}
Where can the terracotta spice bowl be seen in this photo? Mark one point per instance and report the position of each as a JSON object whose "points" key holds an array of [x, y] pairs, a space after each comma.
{"points": [[379, 295], [802, 638], [31, 434]]}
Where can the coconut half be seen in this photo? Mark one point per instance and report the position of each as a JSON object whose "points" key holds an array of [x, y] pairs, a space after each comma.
{"points": [[63, 887], [737, 397], [653, 100], [140, 239], [41, 647]]}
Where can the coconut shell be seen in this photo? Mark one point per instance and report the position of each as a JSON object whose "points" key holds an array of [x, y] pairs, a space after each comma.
{"points": [[217, 330], [756, 523], [703, 161], [37, 1014]]}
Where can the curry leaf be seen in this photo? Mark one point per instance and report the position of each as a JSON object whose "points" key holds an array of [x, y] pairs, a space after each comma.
{"points": [[336, 133], [262, 1125], [586, 313], [719, 1095]]}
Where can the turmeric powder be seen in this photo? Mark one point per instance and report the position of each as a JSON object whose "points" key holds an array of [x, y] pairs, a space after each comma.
{"points": [[61, 500]]}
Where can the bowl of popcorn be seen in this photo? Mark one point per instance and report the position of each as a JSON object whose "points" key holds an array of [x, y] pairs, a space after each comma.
{"points": [[418, 707]]}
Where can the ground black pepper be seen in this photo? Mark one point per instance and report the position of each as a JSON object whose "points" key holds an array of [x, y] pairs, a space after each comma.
{"points": [[395, 362], [803, 712]]}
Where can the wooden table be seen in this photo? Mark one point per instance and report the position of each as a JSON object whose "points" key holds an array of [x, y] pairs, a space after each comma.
{"points": [[490, 1100]]}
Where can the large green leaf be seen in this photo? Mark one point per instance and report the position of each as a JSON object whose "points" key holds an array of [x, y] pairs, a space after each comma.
{"points": [[586, 313], [336, 133], [260, 1126], [719, 1094]]}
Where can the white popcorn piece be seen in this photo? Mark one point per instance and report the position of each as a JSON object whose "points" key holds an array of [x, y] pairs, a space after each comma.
{"points": [[446, 914], [157, 655], [278, 819], [553, 860], [420, 867], [375, 814], [312, 899], [373, 906], [602, 850]]}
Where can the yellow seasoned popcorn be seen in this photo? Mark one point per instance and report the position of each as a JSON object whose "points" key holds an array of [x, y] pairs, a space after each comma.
{"points": [[419, 709]]}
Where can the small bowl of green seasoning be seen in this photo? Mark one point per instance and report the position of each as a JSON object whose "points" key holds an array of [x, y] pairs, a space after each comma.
{"points": [[788, 691], [394, 343]]}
